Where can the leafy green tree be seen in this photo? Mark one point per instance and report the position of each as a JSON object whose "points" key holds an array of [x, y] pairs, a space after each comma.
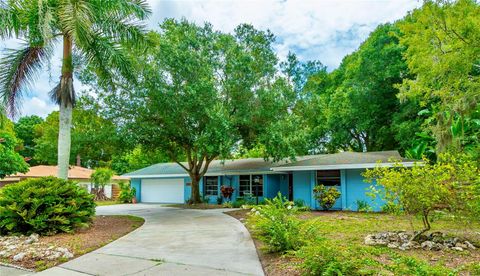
{"points": [[25, 131], [10, 161], [100, 178], [441, 40], [356, 102], [136, 159], [94, 138], [96, 29], [449, 184], [205, 93]]}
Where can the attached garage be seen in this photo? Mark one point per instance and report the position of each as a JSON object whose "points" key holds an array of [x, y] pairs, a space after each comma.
{"points": [[162, 190]]}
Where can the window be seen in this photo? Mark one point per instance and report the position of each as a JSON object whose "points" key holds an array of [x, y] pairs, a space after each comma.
{"points": [[210, 185], [251, 184], [328, 178]]}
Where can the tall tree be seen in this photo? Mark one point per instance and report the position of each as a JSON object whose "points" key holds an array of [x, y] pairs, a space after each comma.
{"points": [[204, 93], [442, 39], [25, 131], [95, 29], [355, 104], [94, 138]]}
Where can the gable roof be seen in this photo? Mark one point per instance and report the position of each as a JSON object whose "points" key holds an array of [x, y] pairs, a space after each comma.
{"points": [[74, 172], [343, 160]]}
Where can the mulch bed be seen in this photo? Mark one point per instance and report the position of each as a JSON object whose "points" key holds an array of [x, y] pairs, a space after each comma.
{"points": [[103, 230]]}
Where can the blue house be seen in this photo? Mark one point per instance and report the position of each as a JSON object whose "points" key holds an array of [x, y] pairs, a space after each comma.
{"points": [[169, 183]]}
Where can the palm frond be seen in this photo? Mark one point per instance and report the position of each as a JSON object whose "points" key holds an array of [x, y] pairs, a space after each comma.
{"points": [[123, 31], [125, 9], [64, 93], [76, 19], [9, 20], [18, 70], [107, 57]]}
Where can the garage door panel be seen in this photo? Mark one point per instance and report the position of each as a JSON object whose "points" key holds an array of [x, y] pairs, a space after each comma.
{"points": [[162, 191]]}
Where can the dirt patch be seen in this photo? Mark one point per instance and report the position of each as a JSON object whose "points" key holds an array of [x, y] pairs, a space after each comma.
{"points": [[273, 264], [103, 230]]}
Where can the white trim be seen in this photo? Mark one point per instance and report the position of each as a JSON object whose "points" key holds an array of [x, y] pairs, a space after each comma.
{"points": [[343, 166]]}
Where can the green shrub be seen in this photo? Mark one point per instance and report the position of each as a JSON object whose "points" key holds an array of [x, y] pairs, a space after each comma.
{"points": [[326, 197], [45, 206], [323, 258], [277, 226], [238, 203], [127, 193], [363, 206], [299, 202], [219, 200]]}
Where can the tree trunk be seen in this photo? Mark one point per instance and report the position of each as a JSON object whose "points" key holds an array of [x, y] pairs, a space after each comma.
{"points": [[65, 100], [195, 195], [64, 140]]}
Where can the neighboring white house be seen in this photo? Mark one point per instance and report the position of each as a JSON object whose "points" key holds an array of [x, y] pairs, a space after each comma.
{"points": [[76, 173]]}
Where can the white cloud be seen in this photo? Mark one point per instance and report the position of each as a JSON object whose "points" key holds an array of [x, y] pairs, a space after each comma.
{"points": [[37, 106], [324, 30]]}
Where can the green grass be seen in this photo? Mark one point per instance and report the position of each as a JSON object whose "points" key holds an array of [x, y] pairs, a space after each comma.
{"points": [[345, 232], [107, 202]]}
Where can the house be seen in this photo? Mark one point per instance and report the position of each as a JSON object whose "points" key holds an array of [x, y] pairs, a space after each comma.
{"points": [[76, 173], [169, 183]]}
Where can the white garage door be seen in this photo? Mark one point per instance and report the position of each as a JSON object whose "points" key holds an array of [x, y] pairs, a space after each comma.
{"points": [[162, 190]]}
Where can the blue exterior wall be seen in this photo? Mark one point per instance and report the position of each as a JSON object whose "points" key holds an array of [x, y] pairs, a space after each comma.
{"points": [[353, 188], [357, 189], [135, 183]]}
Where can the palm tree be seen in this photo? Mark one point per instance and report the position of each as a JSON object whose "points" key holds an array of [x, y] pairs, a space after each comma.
{"points": [[93, 32]]}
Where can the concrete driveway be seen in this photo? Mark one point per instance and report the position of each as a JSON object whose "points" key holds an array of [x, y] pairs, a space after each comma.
{"points": [[171, 242]]}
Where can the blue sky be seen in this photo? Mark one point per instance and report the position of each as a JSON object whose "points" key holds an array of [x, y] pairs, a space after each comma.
{"points": [[324, 30]]}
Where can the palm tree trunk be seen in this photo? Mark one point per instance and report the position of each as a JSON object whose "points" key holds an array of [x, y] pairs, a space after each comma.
{"points": [[66, 109]]}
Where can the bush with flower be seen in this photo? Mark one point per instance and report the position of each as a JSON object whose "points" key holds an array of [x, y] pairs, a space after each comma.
{"points": [[277, 225]]}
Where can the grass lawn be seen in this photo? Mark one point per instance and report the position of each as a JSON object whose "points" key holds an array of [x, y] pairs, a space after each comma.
{"points": [[104, 230], [346, 230], [106, 202]]}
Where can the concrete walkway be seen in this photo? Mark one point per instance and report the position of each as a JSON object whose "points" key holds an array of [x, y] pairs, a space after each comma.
{"points": [[171, 242]]}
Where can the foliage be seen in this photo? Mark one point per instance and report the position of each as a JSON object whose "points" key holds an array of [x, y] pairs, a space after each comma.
{"points": [[277, 226], [238, 203], [219, 200], [194, 103], [127, 192], [135, 159], [363, 206], [101, 177], [324, 258], [326, 197], [25, 131], [10, 161], [447, 184], [441, 41], [227, 192], [45, 206], [94, 138], [227, 204]]}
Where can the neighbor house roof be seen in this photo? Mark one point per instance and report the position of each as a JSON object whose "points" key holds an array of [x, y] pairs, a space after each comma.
{"points": [[74, 172], [343, 160]]}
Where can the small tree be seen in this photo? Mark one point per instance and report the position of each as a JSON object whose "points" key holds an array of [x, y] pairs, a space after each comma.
{"points": [[100, 178], [10, 161], [326, 197], [446, 185]]}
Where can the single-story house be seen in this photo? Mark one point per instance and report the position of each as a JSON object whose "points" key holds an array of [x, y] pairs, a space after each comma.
{"points": [[169, 183], [76, 173]]}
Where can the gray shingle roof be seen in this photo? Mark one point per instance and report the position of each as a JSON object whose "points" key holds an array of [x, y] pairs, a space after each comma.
{"points": [[259, 165]]}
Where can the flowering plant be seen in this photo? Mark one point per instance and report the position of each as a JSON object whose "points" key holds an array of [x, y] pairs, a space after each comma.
{"points": [[227, 191]]}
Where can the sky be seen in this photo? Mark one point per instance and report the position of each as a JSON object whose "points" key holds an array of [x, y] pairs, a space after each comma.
{"points": [[323, 30]]}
